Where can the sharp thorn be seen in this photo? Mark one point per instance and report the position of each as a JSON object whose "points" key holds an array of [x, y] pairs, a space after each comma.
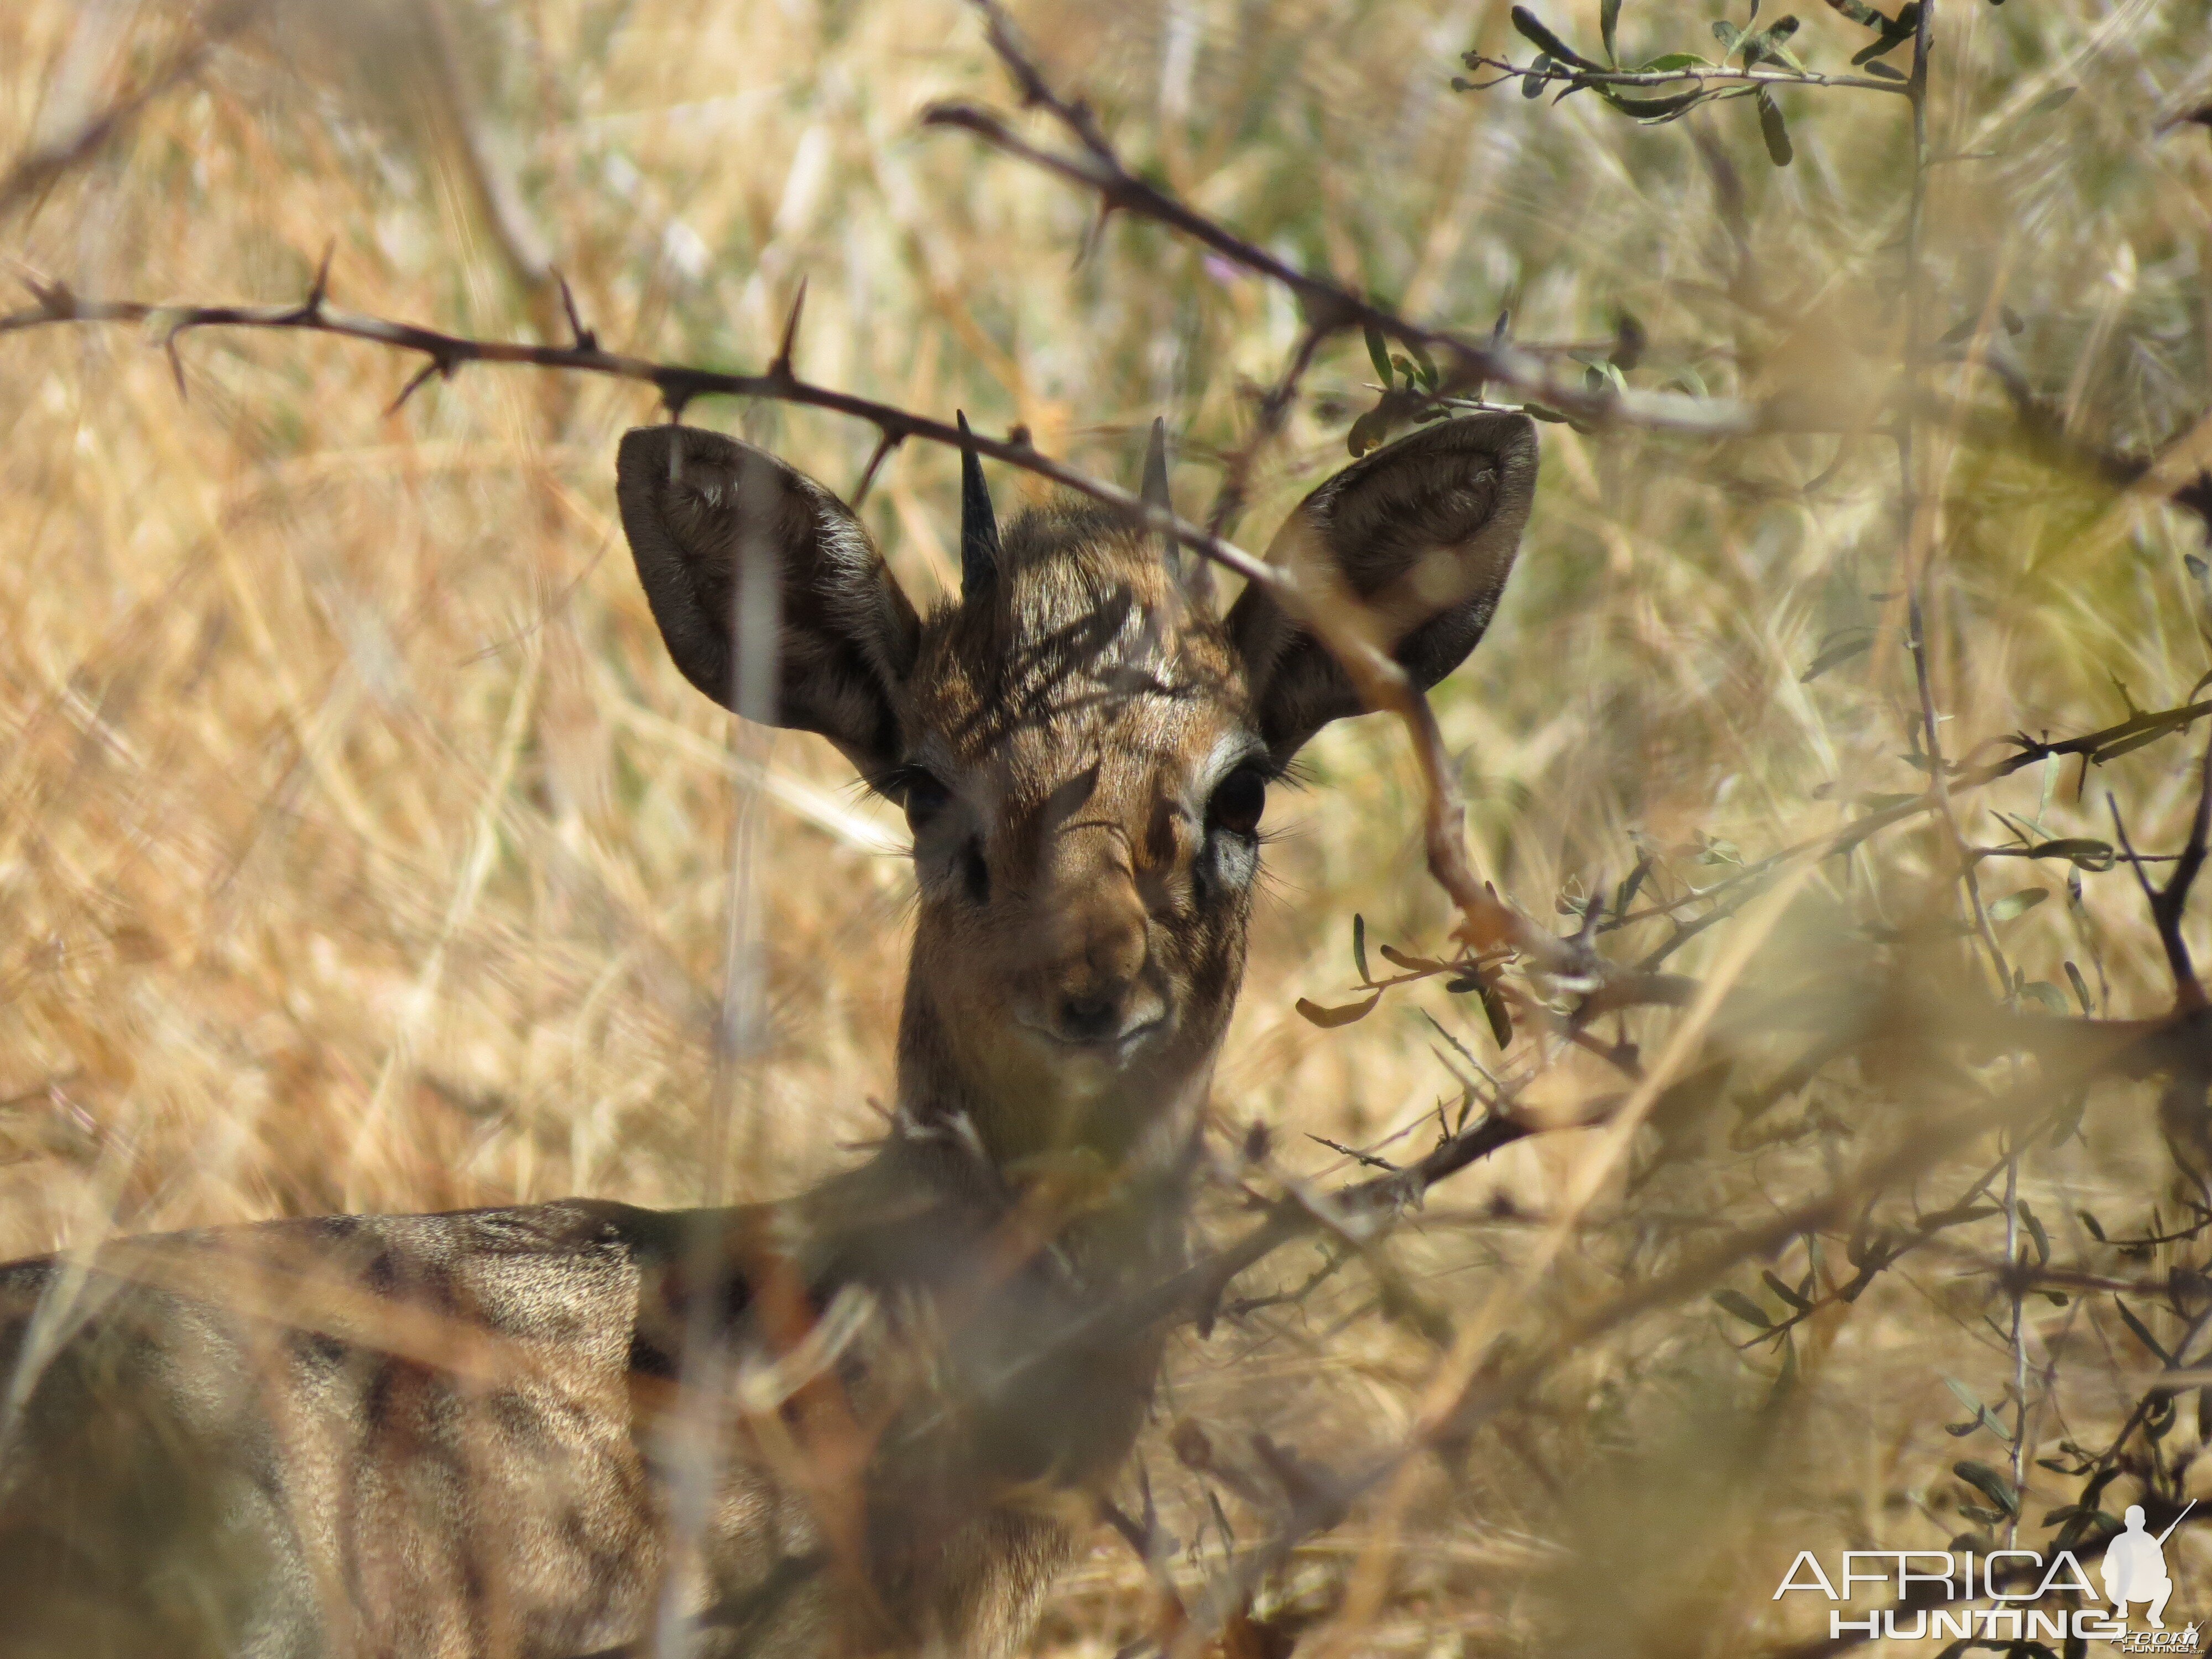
{"points": [[884, 444], [321, 289], [414, 384], [781, 367], [586, 340]]}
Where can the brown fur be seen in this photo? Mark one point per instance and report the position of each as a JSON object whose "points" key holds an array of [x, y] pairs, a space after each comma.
{"points": [[867, 1418]]}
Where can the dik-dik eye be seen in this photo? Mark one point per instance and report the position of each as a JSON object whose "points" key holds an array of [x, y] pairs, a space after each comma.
{"points": [[923, 796], [1238, 800]]}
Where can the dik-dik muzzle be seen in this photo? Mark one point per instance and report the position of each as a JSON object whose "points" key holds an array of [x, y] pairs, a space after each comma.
{"points": [[1082, 746]]}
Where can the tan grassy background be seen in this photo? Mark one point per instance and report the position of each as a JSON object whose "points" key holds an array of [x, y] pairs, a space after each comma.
{"points": [[359, 847]]}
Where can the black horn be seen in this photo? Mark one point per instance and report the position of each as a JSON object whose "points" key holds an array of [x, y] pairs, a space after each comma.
{"points": [[979, 526]]}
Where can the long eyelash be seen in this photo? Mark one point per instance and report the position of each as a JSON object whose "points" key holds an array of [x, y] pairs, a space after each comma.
{"points": [[893, 781]]}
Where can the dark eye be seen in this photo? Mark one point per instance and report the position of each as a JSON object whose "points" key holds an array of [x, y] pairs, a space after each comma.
{"points": [[923, 797], [1238, 801]]}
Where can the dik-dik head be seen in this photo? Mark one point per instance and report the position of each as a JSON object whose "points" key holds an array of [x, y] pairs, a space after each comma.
{"points": [[1082, 748]]}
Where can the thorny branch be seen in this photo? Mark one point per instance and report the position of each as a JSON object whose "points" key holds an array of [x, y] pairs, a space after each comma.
{"points": [[1487, 922], [1488, 1389], [2093, 747], [1328, 306]]}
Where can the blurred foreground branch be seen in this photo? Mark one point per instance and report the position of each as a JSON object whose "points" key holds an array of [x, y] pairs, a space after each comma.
{"points": [[40, 166], [1329, 306]]}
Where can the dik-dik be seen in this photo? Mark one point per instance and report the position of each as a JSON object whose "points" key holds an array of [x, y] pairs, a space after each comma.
{"points": [[867, 1420]]}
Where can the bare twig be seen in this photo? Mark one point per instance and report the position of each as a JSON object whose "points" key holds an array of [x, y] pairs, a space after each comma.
{"points": [[1274, 408], [2171, 903]]}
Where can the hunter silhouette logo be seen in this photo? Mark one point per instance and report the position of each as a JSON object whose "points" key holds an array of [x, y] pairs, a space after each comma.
{"points": [[2015, 1583], [2135, 1567]]}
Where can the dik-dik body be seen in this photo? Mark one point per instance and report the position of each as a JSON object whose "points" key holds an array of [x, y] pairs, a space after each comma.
{"points": [[861, 1420]]}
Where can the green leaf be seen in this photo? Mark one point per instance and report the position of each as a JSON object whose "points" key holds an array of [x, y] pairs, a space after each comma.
{"points": [[2094, 1228], [1968, 1397], [1840, 647], [1501, 1022], [1766, 44], [1776, 1284], [1532, 85], [2018, 904], [1786, 1378], [1533, 31], [1430, 378], [2143, 1333], [2049, 101], [1360, 948], [2086, 851], [2035, 1231], [1654, 109], [2046, 995], [1378, 353], [1629, 340], [1677, 60], [2080, 993], [1774, 131], [1608, 20], [1860, 12], [1988, 1482], [1894, 34], [2127, 745], [1729, 35], [1744, 1307], [2066, 1123]]}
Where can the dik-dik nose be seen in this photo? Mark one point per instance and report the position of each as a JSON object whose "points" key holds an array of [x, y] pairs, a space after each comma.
{"points": [[1096, 990]]}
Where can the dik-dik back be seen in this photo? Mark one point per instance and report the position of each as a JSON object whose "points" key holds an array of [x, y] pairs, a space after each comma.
{"points": [[869, 1419]]}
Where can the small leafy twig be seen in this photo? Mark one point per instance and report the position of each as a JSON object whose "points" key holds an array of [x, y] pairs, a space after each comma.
{"points": [[1542, 73], [1328, 306]]}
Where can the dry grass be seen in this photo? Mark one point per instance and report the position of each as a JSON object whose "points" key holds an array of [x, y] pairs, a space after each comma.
{"points": [[360, 848]]}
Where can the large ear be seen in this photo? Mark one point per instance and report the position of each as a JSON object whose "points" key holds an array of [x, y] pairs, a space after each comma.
{"points": [[1422, 534], [698, 508]]}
